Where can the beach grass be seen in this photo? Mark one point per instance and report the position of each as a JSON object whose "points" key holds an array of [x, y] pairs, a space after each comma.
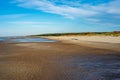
{"points": [[114, 33]]}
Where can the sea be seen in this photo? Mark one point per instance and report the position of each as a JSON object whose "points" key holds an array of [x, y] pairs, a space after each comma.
{"points": [[24, 39]]}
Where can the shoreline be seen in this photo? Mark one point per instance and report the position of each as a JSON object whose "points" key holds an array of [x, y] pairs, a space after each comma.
{"points": [[57, 61]]}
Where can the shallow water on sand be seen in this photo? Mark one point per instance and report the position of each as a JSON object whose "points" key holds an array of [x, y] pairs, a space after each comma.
{"points": [[91, 67]]}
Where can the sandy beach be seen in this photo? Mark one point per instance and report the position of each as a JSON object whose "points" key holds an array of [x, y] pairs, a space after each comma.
{"points": [[67, 59], [59, 39], [103, 42]]}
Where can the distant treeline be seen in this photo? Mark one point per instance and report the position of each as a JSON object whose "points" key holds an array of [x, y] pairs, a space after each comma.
{"points": [[114, 33]]}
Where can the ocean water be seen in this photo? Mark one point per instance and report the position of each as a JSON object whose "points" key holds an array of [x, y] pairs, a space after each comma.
{"points": [[26, 40], [32, 40], [2, 39]]}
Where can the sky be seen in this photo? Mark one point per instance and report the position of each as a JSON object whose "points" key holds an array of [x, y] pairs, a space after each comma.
{"points": [[29, 17]]}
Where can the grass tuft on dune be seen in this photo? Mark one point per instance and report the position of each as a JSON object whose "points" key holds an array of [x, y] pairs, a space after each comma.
{"points": [[114, 33]]}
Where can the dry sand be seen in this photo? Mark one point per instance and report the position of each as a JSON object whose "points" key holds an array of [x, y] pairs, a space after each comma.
{"points": [[107, 39], [104, 42], [57, 61]]}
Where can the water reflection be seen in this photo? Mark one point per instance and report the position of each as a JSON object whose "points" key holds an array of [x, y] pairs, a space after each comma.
{"points": [[91, 67]]}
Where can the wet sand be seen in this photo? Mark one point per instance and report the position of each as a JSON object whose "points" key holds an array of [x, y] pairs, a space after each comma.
{"points": [[57, 61]]}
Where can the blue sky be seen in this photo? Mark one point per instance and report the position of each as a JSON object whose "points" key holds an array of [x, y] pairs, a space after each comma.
{"points": [[27, 17]]}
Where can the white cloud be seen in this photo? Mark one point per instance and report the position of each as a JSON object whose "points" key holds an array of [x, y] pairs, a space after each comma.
{"points": [[111, 7], [74, 8], [64, 10]]}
